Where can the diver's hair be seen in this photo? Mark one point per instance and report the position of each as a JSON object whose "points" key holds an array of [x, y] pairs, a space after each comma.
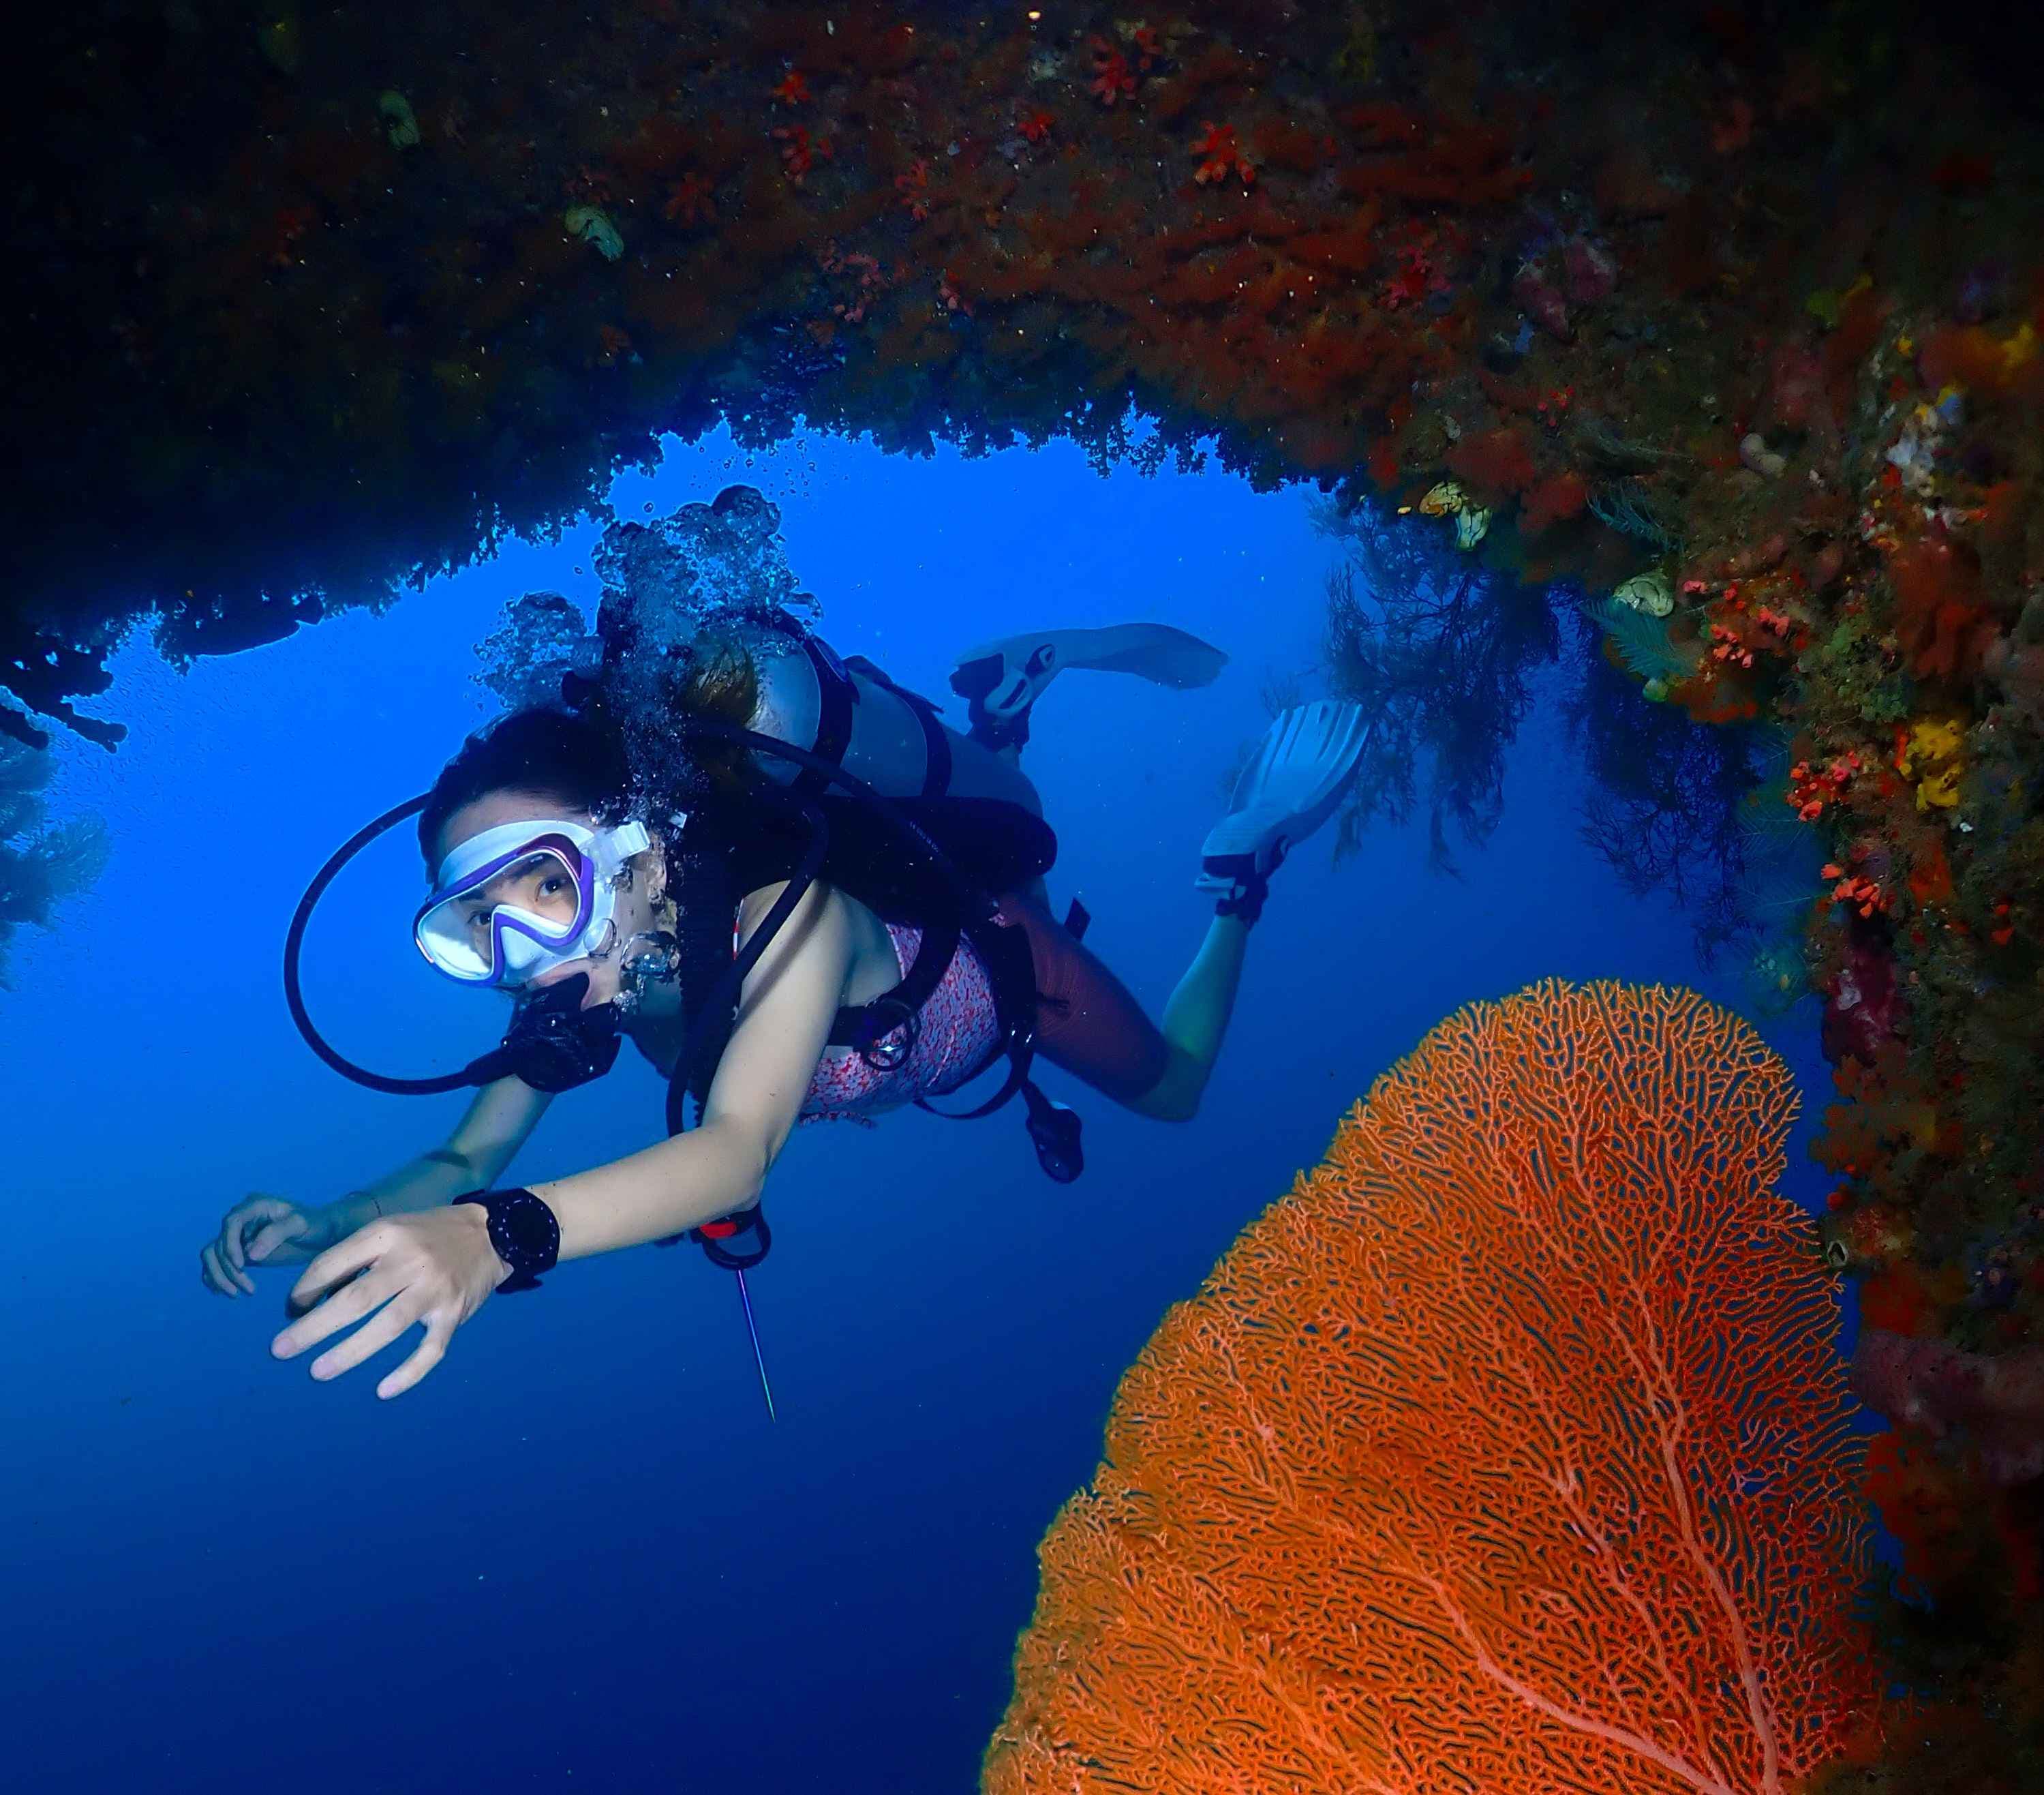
{"points": [[557, 754], [722, 684]]}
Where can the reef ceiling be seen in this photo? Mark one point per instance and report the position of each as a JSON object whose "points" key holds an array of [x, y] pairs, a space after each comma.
{"points": [[314, 298], [1729, 313]]}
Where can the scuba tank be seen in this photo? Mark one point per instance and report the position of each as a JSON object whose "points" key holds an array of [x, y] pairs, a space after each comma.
{"points": [[849, 714], [703, 609]]}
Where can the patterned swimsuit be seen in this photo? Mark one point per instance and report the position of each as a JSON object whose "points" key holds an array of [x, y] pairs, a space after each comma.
{"points": [[1087, 1023], [956, 1033]]}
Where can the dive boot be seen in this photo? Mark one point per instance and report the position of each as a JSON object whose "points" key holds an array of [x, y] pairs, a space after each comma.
{"points": [[1296, 782], [1003, 679]]}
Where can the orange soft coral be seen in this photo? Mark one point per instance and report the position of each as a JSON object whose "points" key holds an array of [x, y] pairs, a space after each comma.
{"points": [[1510, 1452]]}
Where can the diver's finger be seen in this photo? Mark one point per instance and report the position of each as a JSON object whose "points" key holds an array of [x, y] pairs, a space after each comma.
{"points": [[341, 1261], [429, 1352], [371, 1337], [234, 1226], [223, 1277], [342, 1309], [274, 1234]]}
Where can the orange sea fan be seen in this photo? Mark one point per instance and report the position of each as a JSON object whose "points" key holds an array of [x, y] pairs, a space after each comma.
{"points": [[1510, 1452]]}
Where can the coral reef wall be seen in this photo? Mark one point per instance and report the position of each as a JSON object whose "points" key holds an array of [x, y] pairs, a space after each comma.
{"points": [[1511, 1450]]}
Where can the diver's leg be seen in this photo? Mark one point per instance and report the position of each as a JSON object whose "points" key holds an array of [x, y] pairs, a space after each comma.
{"points": [[1195, 1022], [1291, 788], [1001, 680], [1089, 1024]]}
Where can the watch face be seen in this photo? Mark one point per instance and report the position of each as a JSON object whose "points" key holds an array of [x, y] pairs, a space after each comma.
{"points": [[529, 1225]]}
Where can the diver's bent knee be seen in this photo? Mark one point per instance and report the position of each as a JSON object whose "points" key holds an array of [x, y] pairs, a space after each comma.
{"points": [[1174, 1098]]}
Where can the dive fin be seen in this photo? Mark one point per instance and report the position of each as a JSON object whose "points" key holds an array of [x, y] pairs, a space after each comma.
{"points": [[1296, 781], [1003, 678]]}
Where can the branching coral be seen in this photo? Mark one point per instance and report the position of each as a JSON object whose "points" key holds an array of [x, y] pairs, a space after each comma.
{"points": [[1442, 654], [1627, 507], [1665, 804], [1510, 1452], [42, 863]]}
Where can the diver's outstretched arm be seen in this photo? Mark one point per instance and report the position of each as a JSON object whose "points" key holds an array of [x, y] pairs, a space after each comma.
{"points": [[785, 1010], [264, 1229], [496, 1124]]}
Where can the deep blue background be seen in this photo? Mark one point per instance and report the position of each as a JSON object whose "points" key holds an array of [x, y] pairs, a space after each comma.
{"points": [[578, 1556]]}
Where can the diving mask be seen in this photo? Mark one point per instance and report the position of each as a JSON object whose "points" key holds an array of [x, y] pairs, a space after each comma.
{"points": [[554, 900]]}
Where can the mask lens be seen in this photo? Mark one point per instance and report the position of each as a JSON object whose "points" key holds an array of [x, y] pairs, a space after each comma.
{"points": [[511, 918], [542, 885]]}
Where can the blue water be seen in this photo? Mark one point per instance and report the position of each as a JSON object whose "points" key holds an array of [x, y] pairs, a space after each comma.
{"points": [[578, 1556]]}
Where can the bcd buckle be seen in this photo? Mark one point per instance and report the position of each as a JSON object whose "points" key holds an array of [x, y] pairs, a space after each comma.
{"points": [[881, 1049]]}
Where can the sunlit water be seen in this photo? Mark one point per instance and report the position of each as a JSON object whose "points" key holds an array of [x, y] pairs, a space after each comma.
{"points": [[222, 1576]]}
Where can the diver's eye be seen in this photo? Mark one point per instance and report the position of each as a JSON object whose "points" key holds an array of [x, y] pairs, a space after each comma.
{"points": [[554, 885]]}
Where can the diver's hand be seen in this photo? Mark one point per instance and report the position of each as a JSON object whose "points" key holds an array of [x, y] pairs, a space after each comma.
{"points": [[436, 1267], [260, 1230]]}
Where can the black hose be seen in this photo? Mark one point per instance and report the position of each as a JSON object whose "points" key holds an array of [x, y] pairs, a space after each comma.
{"points": [[294, 940], [489, 1067]]}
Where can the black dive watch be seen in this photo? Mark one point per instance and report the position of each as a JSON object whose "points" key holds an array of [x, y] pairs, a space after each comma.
{"points": [[524, 1233]]}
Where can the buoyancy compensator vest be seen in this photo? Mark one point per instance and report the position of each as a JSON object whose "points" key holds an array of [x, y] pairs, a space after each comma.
{"points": [[729, 850], [856, 781]]}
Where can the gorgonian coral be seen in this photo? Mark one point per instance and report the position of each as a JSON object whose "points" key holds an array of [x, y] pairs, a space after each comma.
{"points": [[1510, 1452]]}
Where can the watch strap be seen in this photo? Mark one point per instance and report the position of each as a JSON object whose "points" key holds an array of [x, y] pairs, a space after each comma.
{"points": [[528, 1251]]}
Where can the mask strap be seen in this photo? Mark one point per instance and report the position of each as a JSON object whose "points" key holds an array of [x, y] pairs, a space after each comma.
{"points": [[628, 839]]}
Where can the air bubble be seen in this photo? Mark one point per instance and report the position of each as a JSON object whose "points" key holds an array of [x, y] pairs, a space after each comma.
{"points": [[663, 583]]}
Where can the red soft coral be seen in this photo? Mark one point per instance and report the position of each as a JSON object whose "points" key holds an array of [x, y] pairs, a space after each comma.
{"points": [[1997, 1402], [1113, 78], [1552, 501], [1221, 155], [1497, 463], [1944, 629]]}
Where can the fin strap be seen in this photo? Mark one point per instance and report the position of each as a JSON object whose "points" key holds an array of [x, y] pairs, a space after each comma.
{"points": [[1248, 887]]}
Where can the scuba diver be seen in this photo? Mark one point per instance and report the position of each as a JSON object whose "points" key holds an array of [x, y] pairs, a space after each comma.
{"points": [[805, 898]]}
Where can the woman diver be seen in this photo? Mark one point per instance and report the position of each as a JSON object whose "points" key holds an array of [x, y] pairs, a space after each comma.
{"points": [[773, 979]]}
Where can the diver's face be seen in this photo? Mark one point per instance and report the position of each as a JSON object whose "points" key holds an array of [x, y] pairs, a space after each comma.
{"points": [[541, 884]]}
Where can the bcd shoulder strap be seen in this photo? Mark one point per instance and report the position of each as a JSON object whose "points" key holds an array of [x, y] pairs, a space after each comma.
{"points": [[731, 847], [716, 871]]}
